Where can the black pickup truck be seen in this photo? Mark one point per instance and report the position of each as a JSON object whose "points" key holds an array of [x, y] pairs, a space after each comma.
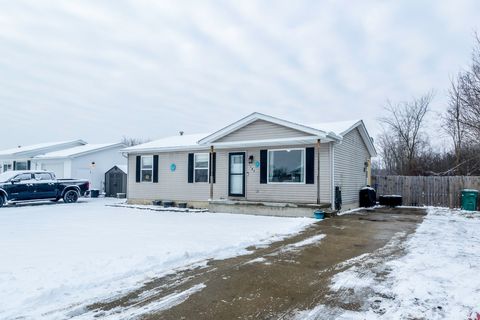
{"points": [[28, 185]]}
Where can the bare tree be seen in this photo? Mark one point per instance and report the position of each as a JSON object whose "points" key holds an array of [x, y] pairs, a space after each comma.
{"points": [[403, 139], [468, 88], [453, 123], [130, 141]]}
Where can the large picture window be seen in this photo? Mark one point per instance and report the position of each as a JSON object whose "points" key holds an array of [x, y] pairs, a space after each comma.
{"points": [[147, 168], [286, 166], [21, 165], [201, 167]]}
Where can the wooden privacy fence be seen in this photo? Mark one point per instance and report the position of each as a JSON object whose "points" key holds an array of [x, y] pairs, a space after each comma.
{"points": [[426, 190]]}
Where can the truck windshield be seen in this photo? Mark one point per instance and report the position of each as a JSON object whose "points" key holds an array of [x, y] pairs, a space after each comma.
{"points": [[4, 177]]}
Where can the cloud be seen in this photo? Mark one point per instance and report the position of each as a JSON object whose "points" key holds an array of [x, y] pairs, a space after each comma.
{"points": [[100, 70]]}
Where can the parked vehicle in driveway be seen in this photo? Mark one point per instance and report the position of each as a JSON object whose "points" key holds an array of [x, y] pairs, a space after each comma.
{"points": [[28, 185]]}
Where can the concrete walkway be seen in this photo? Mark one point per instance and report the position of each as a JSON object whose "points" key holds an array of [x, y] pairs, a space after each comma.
{"points": [[277, 281]]}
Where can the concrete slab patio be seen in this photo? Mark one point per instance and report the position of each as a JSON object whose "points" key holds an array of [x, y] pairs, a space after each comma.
{"points": [[278, 281]]}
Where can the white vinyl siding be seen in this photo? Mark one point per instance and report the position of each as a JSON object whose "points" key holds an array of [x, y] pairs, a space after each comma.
{"points": [[350, 173], [174, 185], [262, 130]]}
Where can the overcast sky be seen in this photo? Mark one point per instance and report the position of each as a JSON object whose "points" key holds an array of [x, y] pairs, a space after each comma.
{"points": [[99, 70]]}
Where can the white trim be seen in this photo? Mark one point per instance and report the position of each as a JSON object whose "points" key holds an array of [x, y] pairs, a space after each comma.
{"points": [[260, 116], [41, 149], [286, 149], [207, 168], [141, 168], [79, 154], [237, 144]]}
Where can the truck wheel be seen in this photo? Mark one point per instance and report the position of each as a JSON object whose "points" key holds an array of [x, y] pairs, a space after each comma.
{"points": [[70, 196]]}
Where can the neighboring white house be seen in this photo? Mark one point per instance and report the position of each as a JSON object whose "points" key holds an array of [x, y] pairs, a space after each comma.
{"points": [[89, 161], [258, 158], [20, 158], [74, 159]]}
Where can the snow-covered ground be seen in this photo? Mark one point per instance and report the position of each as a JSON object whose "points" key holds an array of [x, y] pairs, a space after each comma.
{"points": [[55, 259], [437, 278]]}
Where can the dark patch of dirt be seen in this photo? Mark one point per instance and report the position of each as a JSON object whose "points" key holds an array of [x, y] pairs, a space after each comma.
{"points": [[284, 280]]}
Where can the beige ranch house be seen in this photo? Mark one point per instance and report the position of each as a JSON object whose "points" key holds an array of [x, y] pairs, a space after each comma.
{"points": [[259, 163]]}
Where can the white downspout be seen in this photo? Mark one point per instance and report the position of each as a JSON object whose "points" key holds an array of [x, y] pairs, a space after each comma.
{"points": [[332, 174]]}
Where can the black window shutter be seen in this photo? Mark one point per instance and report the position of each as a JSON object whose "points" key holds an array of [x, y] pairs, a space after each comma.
{"points": [[137, 168], [29, 164], [14, 165], [213, 166], [310, 165], [155, 168], [190, 168], [263, 166]]}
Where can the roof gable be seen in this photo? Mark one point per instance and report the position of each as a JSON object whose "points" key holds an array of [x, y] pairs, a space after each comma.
{"points": [[291, 127], [258, 130], [261, 129]]}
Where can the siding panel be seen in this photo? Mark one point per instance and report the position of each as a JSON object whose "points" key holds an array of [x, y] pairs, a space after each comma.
{"points": [[261, 129], [175, 186], [350, 157]]}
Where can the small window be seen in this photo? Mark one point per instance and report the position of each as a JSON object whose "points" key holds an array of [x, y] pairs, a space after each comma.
{"points": [[201, 167], [286, 166], [147, 168], [43, 176], [21, 165], [24, 176], [7, 166]]}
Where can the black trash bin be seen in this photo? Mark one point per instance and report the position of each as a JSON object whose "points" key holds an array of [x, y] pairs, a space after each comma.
{"points": [[94, 193], [368, 197]]}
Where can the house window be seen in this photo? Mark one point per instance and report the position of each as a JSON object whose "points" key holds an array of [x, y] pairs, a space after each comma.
{"points": [[286, 166], [6, 166], [201, 167], [147, 168], [21, 165]]}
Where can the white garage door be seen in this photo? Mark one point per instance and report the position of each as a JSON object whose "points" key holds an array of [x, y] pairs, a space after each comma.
{"points": [[56, 167]]}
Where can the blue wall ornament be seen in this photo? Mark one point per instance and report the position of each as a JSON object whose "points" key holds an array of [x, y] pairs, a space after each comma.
{"points": [[257, 164], [173, 167]]}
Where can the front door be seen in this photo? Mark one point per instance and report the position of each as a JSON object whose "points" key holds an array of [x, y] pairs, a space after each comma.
{"points": [[115, 184], [236, 174]]}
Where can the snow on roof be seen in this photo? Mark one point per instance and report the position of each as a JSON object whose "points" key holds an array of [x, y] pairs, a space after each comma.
{"points": [[190, 141], [39, 146], [186, 140], [80, 150], [338, 127]]}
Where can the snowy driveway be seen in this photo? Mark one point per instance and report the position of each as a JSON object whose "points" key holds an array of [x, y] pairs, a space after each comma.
{"points": [[57, 259]]}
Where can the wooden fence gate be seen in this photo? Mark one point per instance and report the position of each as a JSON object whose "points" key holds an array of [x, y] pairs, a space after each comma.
{"points": [[423, 190]]}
